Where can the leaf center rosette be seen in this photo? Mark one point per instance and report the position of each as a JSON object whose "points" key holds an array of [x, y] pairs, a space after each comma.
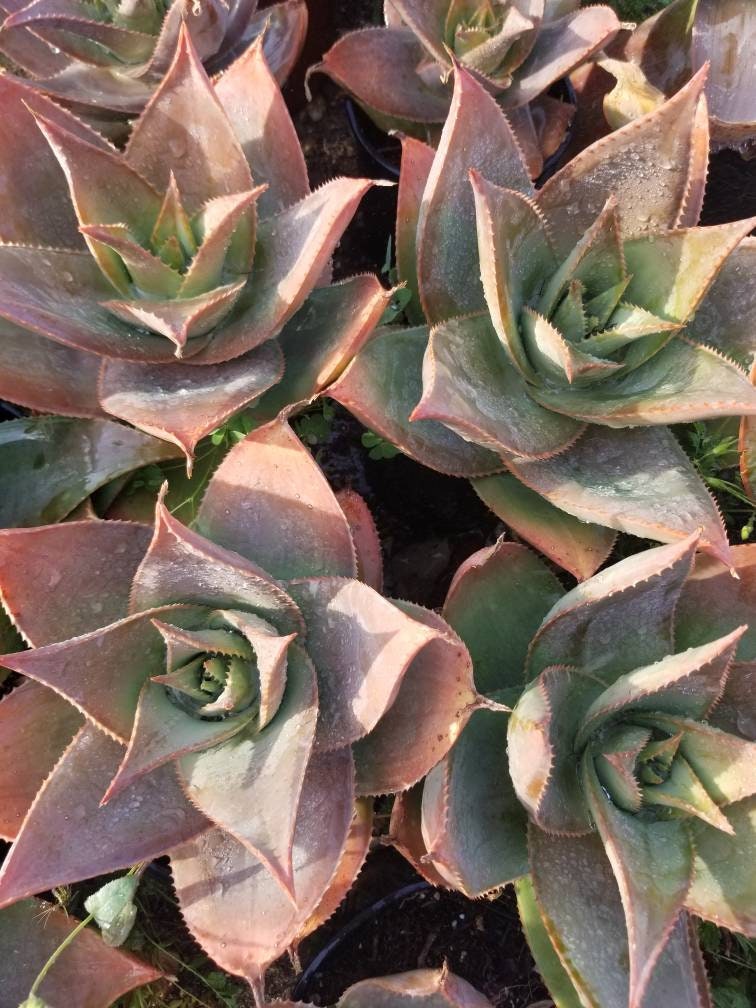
{"points": [[492, 36]]}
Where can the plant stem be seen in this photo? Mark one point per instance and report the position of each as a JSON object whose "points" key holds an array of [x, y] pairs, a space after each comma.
{"points": [[57, 953]]}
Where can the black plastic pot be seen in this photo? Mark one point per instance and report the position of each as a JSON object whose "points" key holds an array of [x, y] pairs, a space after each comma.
{"points": [[386, 151], [10, 412]]}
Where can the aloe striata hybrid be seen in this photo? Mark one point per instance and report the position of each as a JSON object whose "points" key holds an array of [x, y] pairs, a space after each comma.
{"points": [[151, 285], [108, 58], [401, 73], [229, 694], [619, 791], [554, 332]]}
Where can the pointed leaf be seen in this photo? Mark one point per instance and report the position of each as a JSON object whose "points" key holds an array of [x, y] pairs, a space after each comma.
{"points": [[367, 545], [27, 756], [628, 164], [230, 901], [181, 403], [724, 763], [429, 988], [405, 831], [362, 647], [270, 502], [434, 702], [379, 67], [260, 120], [718, 321], [630, 604], [580, 547], [68, 835], [293, 248], [547, 961], [56, 582], [713, 602], [180, 128], [476, 135], [470, 385], [479, 842], [89, 974], [184, 565], [382, 386], [417, 161], [54, 463], [226, 228], [496, 602], [625, 480], [724, 886], [262, 774]]}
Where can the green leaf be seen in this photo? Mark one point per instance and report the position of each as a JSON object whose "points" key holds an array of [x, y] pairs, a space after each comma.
{"points": [[34, 1002], [548, 963], [113, 909]]}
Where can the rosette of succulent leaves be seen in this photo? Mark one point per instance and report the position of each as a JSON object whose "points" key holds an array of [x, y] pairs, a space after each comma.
{"points": [[618, 794], [644, 67], [401, 73], [106, 57], [558, 333], [168, 285], [230, 694]]}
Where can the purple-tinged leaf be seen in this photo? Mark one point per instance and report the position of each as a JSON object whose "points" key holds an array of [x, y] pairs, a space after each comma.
{"points": [[417, 161], [423, 987], [282, 27], [68, 835], [405, 832], [269, 501], [713, 602], [367, 544]]}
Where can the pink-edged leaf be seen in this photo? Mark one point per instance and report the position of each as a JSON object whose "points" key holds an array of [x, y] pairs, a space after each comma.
{"points": [[355, 851], [148, 273], [184, 130], [367, 544], [68, 835], [51, 464], [59, 581], [687, 684], [97, 671], [226, 231], [471, 386], [660, 45], [561, 46], [27, 50], [38, 210], [473, 824], [251, 785], [62, 294], [434, 703], [713, 602], [417, 161], [379, 67], [722, 33], [269, 501], [580, 547], [515, 253], [625, 480], [425, 987], [104, 189], [631, 164], [331, 327], [428, 20], [163, 732], [258, 115], [181, 403], [476, 135], [671, 272], [631, 604], [548, 963], [283, 27], [89, 974], [382, 386], [271, 657], [70, 26], [496, 602], [684, 381], [578, 898], [183, 565], [42, 375], [205, 27], [28, 756], [405, 832], [294, 247], [653, 866], [362, 647], [735, 713], [724, 885], [231, 902]]}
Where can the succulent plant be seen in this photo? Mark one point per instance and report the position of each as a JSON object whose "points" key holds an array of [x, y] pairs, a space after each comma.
{"points": [[88, 973], [620, 789], [155, 289], [663, 52], [108, 58], [422, 988], [550, 333], [225, 694], [518, 48]]}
